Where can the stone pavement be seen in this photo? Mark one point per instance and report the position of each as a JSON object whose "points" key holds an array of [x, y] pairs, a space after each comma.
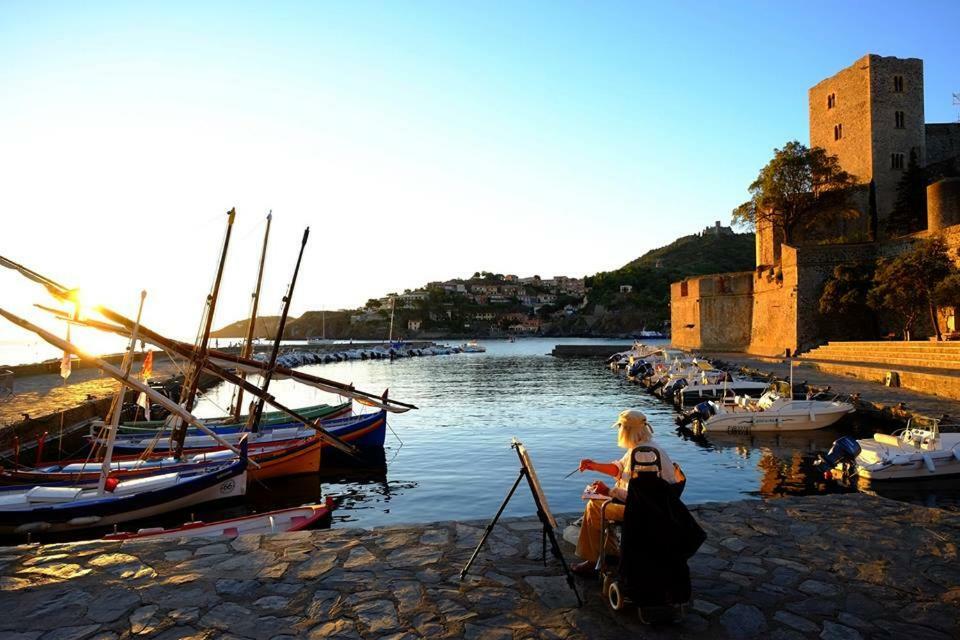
{"points": [[39, 395], [838, 566]]}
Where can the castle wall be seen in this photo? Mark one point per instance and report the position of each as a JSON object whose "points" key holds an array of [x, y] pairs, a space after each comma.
{"points": [[888, 139], [719, 308], [685, 314], [774, 310], [850, 109], [942, 142]]}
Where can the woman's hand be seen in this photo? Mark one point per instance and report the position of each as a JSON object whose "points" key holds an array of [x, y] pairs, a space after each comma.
{"points": [[601, 488], [586, 465]]}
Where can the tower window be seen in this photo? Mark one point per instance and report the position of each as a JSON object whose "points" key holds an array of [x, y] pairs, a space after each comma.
{"points": [[898, 84], [831, 101], [837, 131], [898, 117], [896, 161]]}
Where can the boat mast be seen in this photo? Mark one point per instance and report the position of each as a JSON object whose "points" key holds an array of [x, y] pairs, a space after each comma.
{"points": [[393, 306], [323, 324], [253, 421], [247, 348], [189, 393], [118, 402]]}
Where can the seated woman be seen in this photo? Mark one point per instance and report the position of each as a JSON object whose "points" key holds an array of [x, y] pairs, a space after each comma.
{"points": [[633, 431]]}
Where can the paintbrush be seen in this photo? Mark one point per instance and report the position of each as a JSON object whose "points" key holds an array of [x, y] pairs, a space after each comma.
{"points": [[571, 473]]}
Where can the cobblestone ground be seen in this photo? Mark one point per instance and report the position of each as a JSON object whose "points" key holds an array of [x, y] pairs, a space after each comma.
{"points": [[44, 394], [849, 566]]}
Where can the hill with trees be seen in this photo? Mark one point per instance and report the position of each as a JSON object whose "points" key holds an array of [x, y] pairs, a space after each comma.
{"points": [[647, 304]]}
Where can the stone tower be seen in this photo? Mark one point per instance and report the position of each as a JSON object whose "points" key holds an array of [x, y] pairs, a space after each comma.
{"points": [[870, 115]]}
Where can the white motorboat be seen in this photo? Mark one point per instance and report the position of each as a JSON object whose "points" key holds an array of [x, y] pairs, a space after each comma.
{"points": [[695, 392], [472, 347], [771, 412], [914, 453]]}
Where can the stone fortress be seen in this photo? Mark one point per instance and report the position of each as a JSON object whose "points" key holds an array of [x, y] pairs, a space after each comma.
{"points": [[871, 116]]}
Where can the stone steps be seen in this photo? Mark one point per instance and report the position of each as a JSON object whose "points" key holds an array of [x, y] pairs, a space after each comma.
{"points": [[938, 355], [889, 359], [939, 382]]}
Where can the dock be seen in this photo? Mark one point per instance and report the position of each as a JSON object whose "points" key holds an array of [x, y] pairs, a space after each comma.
{"points": [[588, 350], [786, 568]]}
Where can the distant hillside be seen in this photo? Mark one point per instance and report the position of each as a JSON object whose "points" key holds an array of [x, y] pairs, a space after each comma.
{"points": [[266, 327], [648, 305]]}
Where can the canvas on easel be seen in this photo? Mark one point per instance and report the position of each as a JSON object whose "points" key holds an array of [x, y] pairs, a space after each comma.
{"points": [[547, 520]]}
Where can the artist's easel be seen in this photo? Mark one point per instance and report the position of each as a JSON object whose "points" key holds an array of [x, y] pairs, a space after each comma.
{"points": [[543, 512]]}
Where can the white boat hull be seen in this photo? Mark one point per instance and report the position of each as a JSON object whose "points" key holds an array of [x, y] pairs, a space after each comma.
{"points": [[880, 461], [761, 421]]}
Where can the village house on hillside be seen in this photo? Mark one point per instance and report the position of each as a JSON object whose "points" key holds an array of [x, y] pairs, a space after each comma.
{"points": [[871, 116]]}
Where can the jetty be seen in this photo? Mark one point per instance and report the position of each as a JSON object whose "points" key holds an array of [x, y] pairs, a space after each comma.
{"points": [[783, 568], [588, 350]]}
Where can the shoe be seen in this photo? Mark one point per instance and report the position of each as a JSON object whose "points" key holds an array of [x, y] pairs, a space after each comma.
{"points": [[584, 569]]}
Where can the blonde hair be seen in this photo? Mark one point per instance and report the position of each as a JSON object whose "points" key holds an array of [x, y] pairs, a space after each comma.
{"points": [[634, 430]]}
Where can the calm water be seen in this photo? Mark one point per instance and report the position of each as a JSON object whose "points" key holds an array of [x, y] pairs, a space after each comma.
{"points": [[452, 460]]}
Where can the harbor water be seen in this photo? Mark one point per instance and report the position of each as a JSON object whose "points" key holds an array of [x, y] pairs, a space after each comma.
{"points": [[451, 459]]}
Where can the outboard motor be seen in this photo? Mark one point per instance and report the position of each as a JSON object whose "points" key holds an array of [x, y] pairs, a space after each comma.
{"points": [[702, 412], [637, 367], [678, 386], [845, 449]]}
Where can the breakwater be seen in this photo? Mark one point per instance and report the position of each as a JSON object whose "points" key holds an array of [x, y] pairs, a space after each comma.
{"points": [[789, 568]]}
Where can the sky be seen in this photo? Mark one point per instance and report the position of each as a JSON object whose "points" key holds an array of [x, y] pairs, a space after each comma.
{"points": [[419, 141]]}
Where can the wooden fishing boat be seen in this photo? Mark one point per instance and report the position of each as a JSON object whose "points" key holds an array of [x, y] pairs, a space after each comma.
{"points": [[269, 418], [368, 430], [29, 509], [276, 459], [280, 430], [279, 521], [227, 424]]}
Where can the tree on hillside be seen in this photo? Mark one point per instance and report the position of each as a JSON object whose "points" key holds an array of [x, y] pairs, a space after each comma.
{"points": [[906, 284], [800, 188], [910, 209]]}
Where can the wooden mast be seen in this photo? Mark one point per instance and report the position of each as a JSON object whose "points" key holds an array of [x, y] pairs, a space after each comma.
{"points": [[189, 393], [118, 402], [251, 326], [253, 421]]}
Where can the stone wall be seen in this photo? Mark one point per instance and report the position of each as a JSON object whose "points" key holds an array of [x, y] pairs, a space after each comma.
{"points": [[685, 314], [774, 310], [942, 142], [888, 139], [712, 312]]}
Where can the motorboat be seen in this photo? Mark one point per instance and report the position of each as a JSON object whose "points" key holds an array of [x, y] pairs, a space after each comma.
{"points": [[771, 412], [915, 452], [694, 393], [472, 347]]}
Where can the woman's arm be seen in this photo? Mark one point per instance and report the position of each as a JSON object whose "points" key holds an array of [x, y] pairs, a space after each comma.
{"points": [[606, 468]]}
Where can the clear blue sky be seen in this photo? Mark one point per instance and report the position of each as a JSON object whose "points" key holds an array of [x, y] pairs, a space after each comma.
{"points": [[420, 140]]}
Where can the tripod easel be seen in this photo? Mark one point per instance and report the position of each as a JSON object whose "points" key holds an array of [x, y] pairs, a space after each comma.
{"points": [[543, 513]]}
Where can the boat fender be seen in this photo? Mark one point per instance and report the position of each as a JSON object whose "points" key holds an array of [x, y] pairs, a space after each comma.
{"points": [[844, 449], [956, 453], [83, 521], [32, 527], [928, 463]]}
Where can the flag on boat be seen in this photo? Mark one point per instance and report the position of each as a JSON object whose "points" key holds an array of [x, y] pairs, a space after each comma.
{"points": [[146, 371], [65, 362], [144, 401]]}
